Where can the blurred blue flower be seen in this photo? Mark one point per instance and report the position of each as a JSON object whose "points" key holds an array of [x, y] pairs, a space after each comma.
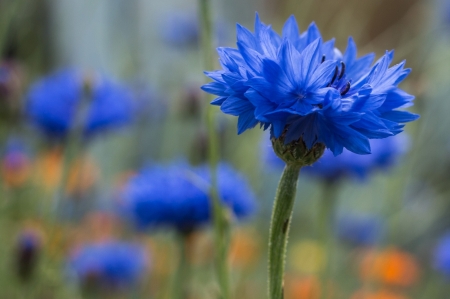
{"points": [[109, 264], [302, 87], [443, 13], [385, 154], [359, 229], [56, 102], [182, 29], [15, 145], [177, 196], [442, 255], [4, 78]]}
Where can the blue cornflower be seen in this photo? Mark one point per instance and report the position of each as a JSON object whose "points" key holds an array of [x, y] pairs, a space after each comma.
{"points": [[442, 255], [58, 102], [305, 89], [359, 229], [178, 196], [109, 264]]}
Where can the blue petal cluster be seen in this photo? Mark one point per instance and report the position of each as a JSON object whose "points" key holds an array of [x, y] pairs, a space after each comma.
{"points": [[302, 87], [442, 255], [54, 102], [109, 264], [359, 229], [178, 196], [385, 154]]}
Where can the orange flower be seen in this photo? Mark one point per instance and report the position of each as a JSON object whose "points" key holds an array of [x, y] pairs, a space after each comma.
{"points": [[302, 288], [82, 175], [48, 168], [390, 266], [244, 249], [382, 294]]}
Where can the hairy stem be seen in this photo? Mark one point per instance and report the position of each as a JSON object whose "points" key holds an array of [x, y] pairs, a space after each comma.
{"points": [[279, 229]]}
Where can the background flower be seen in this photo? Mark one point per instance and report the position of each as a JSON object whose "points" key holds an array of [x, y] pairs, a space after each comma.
{"points": [[359, 229], [110, 264], [178, 196], [385, 154], [57, 102], [442, 255]]}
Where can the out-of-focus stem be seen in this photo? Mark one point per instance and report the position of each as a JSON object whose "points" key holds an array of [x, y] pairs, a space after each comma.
{"points": [[73, 145], [221, 225], [279, 228], [179, 288], [71, 150], [326, 215]]}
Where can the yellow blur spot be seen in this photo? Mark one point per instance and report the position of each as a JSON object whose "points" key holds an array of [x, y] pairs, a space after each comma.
{"points": [[308, 257]]}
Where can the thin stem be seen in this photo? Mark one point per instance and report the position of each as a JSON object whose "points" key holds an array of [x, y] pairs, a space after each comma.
{"points": [[326, 215], [221, 224], [71, 150], [179, 287], [279, 229], [74, 144]]}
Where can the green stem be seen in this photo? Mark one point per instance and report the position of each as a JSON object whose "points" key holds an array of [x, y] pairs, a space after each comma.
{"points": [[279, 228], [326, 214], [179, 288], [73, 144], [71, 150], [219, 212]]}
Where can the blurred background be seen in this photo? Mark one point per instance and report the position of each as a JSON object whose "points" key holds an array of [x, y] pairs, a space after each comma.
{"points": [[126, 76]]}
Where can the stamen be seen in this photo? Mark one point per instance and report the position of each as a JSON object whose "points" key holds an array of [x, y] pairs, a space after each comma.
{"points": [[346, 89], [342, 70], [336, 70], [323, 58]]}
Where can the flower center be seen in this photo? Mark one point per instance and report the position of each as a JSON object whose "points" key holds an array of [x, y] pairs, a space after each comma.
{"points": [[338, 80]]}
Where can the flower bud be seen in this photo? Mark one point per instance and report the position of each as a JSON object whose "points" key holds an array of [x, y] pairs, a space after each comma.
{"points": [[296, 152], [27, 254]]}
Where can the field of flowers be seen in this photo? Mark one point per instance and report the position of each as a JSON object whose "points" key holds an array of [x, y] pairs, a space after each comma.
{"points": [[210, 149]]}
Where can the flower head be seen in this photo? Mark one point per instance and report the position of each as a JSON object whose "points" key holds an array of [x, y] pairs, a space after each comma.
{"points": [[108, 264], [66, 99], [178, 196], [305, 90], [390, 266]]}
